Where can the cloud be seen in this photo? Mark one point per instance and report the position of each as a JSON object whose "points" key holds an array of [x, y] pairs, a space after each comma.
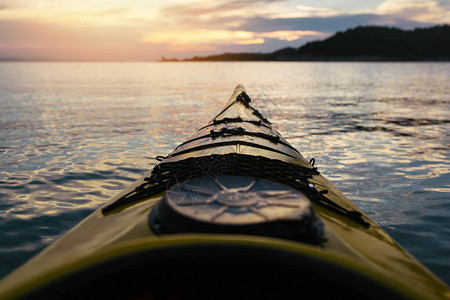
{"points": [[290, 35], [198, 37], [406, 6], [200, 8], [270, 44], [327, 24], [214, 7], [215, 13], [217, 23], [313, 11], [210, 39], [312, 8], [421, 10], [217, 26]]}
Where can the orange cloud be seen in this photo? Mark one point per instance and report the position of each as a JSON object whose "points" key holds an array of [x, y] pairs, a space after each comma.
{"points": [[290, 35], [178, 39], [186, 48], [198, 37], [250, 42]]}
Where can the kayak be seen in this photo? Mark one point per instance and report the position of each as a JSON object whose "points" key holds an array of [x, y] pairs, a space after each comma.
{"points": [[234, 212]]}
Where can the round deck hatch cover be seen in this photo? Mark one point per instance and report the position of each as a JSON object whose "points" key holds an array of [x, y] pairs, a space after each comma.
{"points": [[237, 205]]}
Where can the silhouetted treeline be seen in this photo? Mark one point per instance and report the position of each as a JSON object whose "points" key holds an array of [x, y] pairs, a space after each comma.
{"points": [[369, 43], [234, 57]]}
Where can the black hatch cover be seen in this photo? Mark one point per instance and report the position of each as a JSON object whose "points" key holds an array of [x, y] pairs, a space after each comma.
{"points": [[237, 205]]}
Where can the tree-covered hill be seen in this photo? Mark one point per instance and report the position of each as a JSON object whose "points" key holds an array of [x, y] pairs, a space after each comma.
{"points": [[369, 43]]}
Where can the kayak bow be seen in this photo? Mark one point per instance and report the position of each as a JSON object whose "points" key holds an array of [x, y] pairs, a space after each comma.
{"points": [[233, 212]]}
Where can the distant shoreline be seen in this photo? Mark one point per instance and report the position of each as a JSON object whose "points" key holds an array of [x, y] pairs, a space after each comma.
{"points": [[365, 44], [445, 59]]}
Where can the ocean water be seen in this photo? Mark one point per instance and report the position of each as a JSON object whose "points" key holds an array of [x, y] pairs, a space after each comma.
{"points": [[72, 135]]}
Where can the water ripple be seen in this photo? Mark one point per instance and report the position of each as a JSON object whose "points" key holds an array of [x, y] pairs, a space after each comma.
{"points": [[72, 135]]}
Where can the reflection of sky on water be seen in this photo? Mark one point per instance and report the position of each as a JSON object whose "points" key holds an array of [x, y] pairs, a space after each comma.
{"points": [[73, 134]]}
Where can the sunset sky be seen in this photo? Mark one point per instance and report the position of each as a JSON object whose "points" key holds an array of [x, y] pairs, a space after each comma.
{"points": [[113, 30]]}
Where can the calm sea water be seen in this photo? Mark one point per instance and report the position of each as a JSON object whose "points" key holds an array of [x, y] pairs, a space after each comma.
{"points": [[72, 135]]}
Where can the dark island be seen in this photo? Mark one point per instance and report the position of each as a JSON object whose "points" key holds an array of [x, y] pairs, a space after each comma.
{"points": [[368, 43]]}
